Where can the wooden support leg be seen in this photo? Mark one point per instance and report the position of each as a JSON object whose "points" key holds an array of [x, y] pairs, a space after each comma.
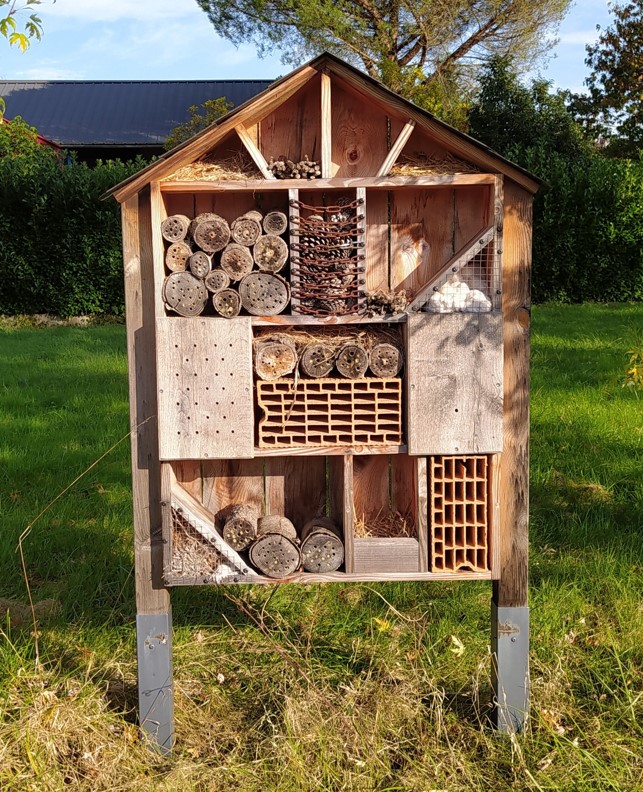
{"points": [[155, 688], [510, 666]]}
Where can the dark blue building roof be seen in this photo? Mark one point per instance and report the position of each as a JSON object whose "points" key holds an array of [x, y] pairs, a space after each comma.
{"points": [[138, 113]]}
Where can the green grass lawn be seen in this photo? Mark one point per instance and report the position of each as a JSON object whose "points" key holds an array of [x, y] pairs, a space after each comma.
{"points": [[336, 687]]}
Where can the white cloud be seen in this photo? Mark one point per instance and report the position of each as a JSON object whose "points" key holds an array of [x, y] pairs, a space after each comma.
{"points": [[47, 71], [117, 10]]}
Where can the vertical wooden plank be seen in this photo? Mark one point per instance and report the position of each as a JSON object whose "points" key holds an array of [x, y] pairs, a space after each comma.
{"points": [[371, 487], [188, 475], [511, 588], [293, 130], [403, 485], [255, 154], [296, 487], [158, 250], [167, 476], [340, 481], [493, 499], [359, 130], [326, 127], [151, 595], [422, 517], [396, 148], [472, 213], [377, 241], [498, 214], [231, 481]]}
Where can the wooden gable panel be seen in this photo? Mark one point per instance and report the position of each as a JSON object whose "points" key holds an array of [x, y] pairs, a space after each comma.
{"points": [[293, 130]]}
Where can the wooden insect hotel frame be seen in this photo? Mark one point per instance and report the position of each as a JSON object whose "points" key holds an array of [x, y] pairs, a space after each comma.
{"points": [[327, 297]]}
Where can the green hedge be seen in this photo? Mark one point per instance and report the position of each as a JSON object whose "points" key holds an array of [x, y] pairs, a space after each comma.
{"points": [[60, 245]]}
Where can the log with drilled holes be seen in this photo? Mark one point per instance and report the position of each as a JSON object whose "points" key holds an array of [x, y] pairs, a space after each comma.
{"points": [[317, 360], [185, 294], [177, 256], [216, 280], [275, 552], [212, 235], [200, 264], [322, 548], [226, 303], [240, 527], [236, 260], [275, 223], [385, 360], [352, 361], [246, 229], [202, 218], [275, 356], [175, 227], [264, 293], [270, 253]]}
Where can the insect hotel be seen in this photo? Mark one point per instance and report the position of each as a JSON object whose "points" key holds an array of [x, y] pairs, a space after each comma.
{"points": [[327, 298]]}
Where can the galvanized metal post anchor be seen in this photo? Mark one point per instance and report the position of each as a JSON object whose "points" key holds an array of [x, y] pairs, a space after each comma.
{"points": [[155, 686], [510, 666]]}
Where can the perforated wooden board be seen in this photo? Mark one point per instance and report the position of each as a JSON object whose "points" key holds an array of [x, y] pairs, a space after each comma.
{"points": [[454, 365], [205, 388]]}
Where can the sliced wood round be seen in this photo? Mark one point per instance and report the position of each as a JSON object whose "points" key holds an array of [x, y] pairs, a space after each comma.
{"points": [[317, 360], [275, 356], [385, 360], [177, 256], [264, 294], [322, 548], [276, 524], [212, 235], [236, 260], [275, 223], [253, 214], [245, 230], [270, 253], [352, 361], [185, 294], [240, 527], [226, 303], [216, 280], [275, 555], [200, 264], [202, 218], [175, 227]]}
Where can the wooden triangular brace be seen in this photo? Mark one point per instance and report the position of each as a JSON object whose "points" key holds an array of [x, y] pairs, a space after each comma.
{"points": [[464, 256], [202, 520], [251, 148]]}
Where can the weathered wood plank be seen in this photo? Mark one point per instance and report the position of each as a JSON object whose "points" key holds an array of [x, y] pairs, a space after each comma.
{"points": [[151, 595], [346, 577], [340, 183], [296, 488], [231, 481], [188, 474], [293, 130], [422, 517], [371, 488], [340, 484], [511, 589], [205, 384], [396, 148], [377, 241], [386, 555], [454, 369], [326, 127], [255, 154]]}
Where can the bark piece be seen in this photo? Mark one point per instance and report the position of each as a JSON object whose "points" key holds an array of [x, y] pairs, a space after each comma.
{"points": [[352, 361], [185, 294], [264, 294], [270, 253], [227, 303], [275, 223], [175, 227], [177, 256], [240, 527], [322, 548], [216, 280], [275, 356], [236, 260], [385, 360], [212, 235], [200, 264], [317, 360]]}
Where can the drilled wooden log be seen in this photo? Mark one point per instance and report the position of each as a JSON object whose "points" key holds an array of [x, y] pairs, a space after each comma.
{"points": [[212, 235], [264, 294], [240, 527], [322, 548], [275, 223], [216, 280], [202, 218], [276, 524], [352, 361], [227, 303], [385, 360], [317, 360], [270, 253], [200, 264], [245, 230], [236, 260], [275, 555], [185, 294], [175, 227], [275, 356], [177, 256]]}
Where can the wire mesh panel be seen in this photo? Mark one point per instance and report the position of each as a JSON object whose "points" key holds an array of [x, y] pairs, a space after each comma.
{"points": [[459, 508], [327, 259], [330, 412]]}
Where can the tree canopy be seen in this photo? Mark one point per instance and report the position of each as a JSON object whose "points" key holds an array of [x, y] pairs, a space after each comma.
{"points": [[200, 118], [419, 48]]}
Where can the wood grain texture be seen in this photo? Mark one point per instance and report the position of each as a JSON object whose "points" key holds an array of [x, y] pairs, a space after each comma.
{"points": [[386, 555], [494, 514], [232, 481], [422, 517], [498, 219], [396, 148], [296, 488], [158, 214], [151, 595], [359, 134], [454, 370], [252, 149], [343, 577], [326, 127], [356, 450], [473, 212], [511, 589], [167, 479], [205, 388], [377, 241], [293, 130], [340, 484], [371, 488], [188, 474]]}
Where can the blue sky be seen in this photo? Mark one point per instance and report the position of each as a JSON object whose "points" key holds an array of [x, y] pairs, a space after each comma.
{"points": [[173, 39]]}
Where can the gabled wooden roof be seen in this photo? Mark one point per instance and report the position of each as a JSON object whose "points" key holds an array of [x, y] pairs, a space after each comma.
{"points": [[277, 94]]}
